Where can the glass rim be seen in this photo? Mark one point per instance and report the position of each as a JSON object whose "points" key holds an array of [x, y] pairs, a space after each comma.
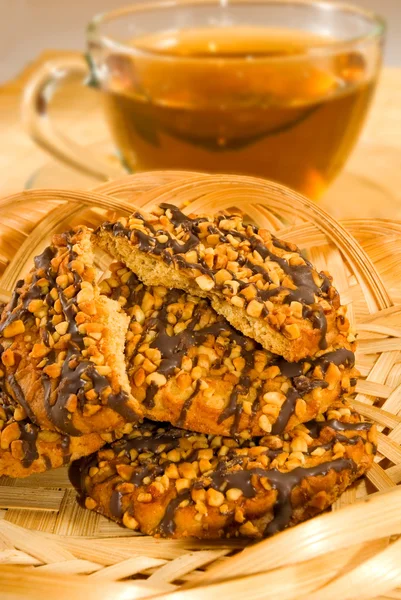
{"points": [[378, 28]]}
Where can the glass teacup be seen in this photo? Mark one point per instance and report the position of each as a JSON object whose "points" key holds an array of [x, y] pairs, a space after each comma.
{"points": [[272, 88]]}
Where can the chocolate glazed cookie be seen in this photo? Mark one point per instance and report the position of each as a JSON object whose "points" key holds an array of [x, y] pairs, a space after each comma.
{"points": [[187, 365], [169, 482], [62, 344], [263, 286]]}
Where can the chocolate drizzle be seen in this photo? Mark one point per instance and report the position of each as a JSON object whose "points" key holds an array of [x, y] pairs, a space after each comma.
{"points": [[119, 403], [16, 311], [20, 397], [304, 385], [284, 483], [70, 311], [286, 411], [155, 443], [302, 276], [151, 391], [28, 435], [47, 461], [71, 383], [150, 470], [65, 447], [167, 440], [166, 526], [319, 321], [187, 405], [338, 357], [174, 348], [116, 508], [315, 427], [342, 356], [234, 407], [78, 470]]}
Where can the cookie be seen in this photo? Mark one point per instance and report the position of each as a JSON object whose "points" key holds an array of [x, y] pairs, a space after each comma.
{"points": [[62, 344], [187, 365], [263, 286], [169, 482]]}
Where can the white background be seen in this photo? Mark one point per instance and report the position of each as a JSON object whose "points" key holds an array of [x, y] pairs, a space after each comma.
{"points": [[29, 26]]}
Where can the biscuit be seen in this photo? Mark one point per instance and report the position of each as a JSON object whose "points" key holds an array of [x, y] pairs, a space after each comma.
{"points": [[188, 366], [263, 286], [169, 482], [62, 344]]}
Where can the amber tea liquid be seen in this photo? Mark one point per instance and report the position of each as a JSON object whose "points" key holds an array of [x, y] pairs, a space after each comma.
{"points": [[238, 100]]}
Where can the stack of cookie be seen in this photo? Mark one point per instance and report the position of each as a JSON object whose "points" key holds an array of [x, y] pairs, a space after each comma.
{"points": [[198, 387]]}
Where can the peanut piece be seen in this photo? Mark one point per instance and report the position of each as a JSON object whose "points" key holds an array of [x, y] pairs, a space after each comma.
{"points": [[233, 494], [19, 413], [214, 498], [174, 456], [17, 449], [14, 329], [265, 424], [237, 301], [298, 444], [274, 398], [187, 471], [292, 331], [9, 434], [157, 379], [254, 308], [130, 522], [85, 295], [39, 350], [62, 327], [172, 471], [125, 471], [144, 497], [53, 370], [90, 503], [8, 358], [182, 484], [205, 282], [222, 276]]}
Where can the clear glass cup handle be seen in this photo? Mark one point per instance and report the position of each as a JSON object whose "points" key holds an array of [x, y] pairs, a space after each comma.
{"points": [[36, 101]]}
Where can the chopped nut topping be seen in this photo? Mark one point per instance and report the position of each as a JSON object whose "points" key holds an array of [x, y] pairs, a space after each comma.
{"points": [[205, 283], [14, 329]]}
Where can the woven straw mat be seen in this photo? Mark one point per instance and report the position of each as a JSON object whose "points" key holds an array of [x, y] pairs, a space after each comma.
{"points": [[52, 548]]}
